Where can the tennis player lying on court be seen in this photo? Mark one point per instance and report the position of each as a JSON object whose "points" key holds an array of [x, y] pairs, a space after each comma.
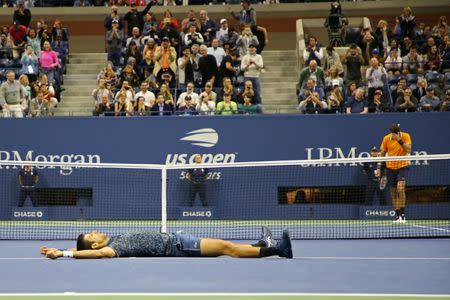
{"points": [[155, 244]]}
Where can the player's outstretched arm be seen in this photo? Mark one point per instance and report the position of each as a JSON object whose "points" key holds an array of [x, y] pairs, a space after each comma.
{"points": [[105, 252]]}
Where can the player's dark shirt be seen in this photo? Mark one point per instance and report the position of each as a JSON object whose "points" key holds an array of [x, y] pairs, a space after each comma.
{"points": [[28, 177], [141, 244], [198, 175]]}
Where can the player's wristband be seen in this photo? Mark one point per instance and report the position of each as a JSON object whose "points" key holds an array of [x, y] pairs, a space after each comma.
{"points": [[401, 142], [68, 254]]}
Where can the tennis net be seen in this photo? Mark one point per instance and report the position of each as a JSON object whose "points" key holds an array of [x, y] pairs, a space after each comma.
{"points": [[314, 199]]}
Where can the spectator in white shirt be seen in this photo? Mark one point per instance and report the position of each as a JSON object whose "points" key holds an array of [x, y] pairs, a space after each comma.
{"points": [[193, 37], [216, 51], [251, 64], [223, 29], [149, 97], [375, 77], [189, 92]]}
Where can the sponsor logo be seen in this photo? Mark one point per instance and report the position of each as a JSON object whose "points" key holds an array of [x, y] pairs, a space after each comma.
{"points": [[380, 213], [28, 214], [352, 152], [205, 137], [29, 155], [200, 214]]}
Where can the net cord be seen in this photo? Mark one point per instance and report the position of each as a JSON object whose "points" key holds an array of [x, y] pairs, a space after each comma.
{"points": [[331, 161]]}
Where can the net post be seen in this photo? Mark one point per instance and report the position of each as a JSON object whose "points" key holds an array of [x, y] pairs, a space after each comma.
{"points": [[164, 199]]}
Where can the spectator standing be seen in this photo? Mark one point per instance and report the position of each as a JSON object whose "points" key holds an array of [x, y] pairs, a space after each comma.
{"points": [[207, 66], [12, 94], [191, 19], [17, 36], [186, 67], [165, 59], [34, 41], [114, 15], [114, 38], [244, 40], [208, 27], [313, 51], [247, 15], [354, 60], [332, 59], [22, 15], [135, 18], [216, 51], [150, 25], [223, 29], [30, 64], [407, 23], [226, 68], [375, 77], [193, 37], [49, 62], [251, 65]]}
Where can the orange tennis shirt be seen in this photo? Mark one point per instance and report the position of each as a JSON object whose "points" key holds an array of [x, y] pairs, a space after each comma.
{"points": [[393, 148]]}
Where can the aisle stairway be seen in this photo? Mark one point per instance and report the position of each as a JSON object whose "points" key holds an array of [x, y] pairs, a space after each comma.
{"points": [[80, 80]]}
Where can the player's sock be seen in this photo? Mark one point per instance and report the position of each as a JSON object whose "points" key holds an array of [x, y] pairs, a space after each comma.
{"points": [[402, 212], [268, 251], [260, 243], [397, 213]]}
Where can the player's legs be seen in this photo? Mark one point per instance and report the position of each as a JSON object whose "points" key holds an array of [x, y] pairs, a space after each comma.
{"points": [[401, 190], [392, 181], [214, 248]]}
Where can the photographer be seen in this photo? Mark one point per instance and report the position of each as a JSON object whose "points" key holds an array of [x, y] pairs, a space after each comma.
{"points": [[190, 20], [367, 42], [127, 91], [313, 51], [354, 60], [193, 37]]}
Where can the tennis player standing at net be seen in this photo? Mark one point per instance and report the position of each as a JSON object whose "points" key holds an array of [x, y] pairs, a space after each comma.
{"points": [[156, 244], [397, 143]]}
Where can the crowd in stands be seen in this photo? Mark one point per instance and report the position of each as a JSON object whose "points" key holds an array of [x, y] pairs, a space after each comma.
{"points": [[32, 62], [159, 65], [401, 68]]}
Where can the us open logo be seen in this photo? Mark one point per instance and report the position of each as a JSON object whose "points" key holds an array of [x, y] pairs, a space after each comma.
{"points": [[205, 137]]}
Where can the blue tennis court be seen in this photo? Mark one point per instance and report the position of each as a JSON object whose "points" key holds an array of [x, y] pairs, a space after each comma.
{"points": [[400, 266]]}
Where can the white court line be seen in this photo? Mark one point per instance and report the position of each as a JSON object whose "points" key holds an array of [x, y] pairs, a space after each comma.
{"points": [[433, 228], [71, 294], [216, 258]]}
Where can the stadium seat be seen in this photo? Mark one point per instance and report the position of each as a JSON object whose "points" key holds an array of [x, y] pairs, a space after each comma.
{"points": [[393, 79], [412, 78], [447, 78], [352, 35], [4, 63], [431, 77]]}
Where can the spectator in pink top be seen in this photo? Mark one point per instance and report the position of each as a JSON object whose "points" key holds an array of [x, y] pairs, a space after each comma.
{"points": [[48, 61]]}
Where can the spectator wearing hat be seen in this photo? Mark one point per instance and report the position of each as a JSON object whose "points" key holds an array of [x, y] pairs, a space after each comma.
{"points": [[252, 64], [380, 103], [331, 59], [165, 59], [223, 29], [114, 38], [376, 179], [429, 102], [188, 107], [247, 16], [377, 54], [375, 77], [354, 60], [445, 104], [22, 15], [357, 104], [406, 102], [188, 93], [332, 79]]}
